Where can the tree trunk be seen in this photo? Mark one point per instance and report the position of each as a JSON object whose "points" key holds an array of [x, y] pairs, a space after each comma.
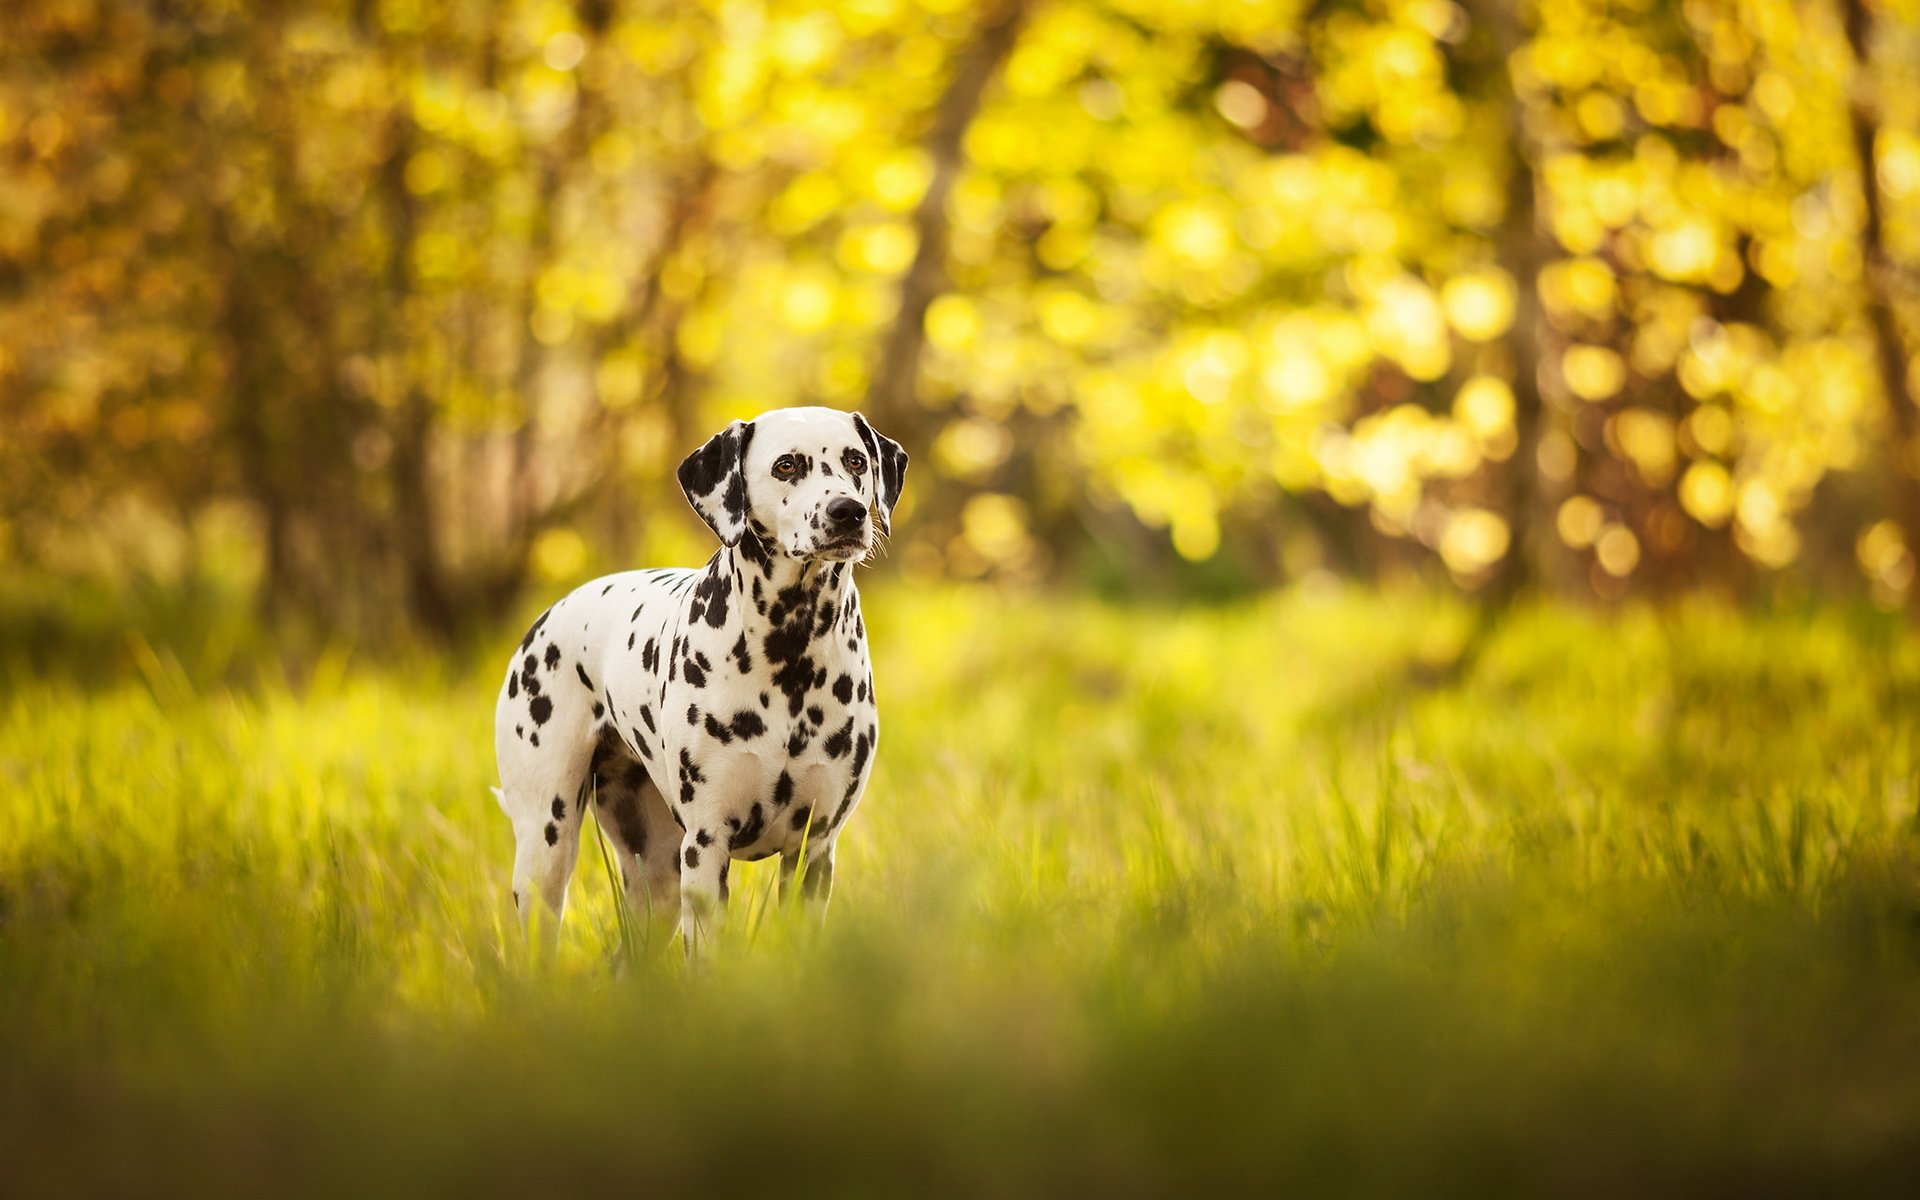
{"points": [[415, 536], [1521, 250], [890, 397], [1890, 353]]}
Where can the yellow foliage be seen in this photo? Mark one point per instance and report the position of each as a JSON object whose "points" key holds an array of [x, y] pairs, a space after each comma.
{"points": [[1617, 550], [1593, 372], [1207, 247], [1474, 539], [1579, 521], [1884, 555], [1706, 492], [1479, 305]]}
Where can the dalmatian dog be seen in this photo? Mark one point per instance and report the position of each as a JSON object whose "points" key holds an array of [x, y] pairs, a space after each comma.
{"points": [[710, 713]]}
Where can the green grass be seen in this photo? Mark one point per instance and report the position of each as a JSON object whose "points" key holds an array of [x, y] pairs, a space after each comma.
{"points": [[1141, 901]]}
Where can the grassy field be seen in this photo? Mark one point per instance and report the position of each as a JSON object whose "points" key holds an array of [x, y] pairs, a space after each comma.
{"points": [[1142, 901]]}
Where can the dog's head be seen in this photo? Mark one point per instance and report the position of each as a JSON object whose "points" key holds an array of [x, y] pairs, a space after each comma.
{"points": [[810, 482]]}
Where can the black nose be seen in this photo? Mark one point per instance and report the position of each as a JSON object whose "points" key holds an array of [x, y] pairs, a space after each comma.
{"points": [[845, 512]]}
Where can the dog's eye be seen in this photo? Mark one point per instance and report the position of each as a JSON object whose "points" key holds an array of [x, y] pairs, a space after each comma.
{"points": [[855, 461], [784, 467]]}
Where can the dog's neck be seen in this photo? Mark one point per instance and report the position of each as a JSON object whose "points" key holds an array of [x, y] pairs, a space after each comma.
{"points": [[782, 591]]}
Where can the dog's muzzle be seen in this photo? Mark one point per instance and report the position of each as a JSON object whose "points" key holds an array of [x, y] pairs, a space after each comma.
{"points": [[844, 529]]}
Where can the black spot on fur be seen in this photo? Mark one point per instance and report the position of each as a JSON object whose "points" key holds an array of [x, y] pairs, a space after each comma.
{"points": [[541, 709], [559, 809], [630, 636], [889, 466], [646, 714], [534, 737], [552, 656], [585, 682], [693, 673], [783, 790], [706, 470], [520, 731], [840, 742], [816, 714], [843, 689], [797, 741], [718, 732], [747, 725], [689, 776], [861, 747], [650, 655], [553, 835], [753, 548], [599, 710], [693, 857], [846, 802], [715, 587], [750, 829], [736, 497], [800, 818], [513, 686], [693, 714], [526, 643], [742, 657], [802, 467], [704, 838], [786, 647]]}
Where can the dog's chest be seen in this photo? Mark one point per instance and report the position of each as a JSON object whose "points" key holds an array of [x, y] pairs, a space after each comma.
{"points": [[771, 725]]}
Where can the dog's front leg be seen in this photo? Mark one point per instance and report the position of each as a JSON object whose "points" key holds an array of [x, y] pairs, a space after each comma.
{"points": [[703, 888]]}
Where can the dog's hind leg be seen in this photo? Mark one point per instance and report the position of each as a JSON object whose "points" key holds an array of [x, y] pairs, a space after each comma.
{"points": [[543, 799], [546, 834], [636, 820]]}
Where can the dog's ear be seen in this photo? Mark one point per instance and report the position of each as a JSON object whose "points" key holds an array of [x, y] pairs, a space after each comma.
{"points": [[889, 468], [715, 480]]}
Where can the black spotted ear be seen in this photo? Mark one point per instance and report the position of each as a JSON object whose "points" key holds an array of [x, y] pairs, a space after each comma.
{"points": [[889, 468], [715, 480]]}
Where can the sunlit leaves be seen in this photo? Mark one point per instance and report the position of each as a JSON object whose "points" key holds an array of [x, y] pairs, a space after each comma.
{"points": [[1235, 250]]}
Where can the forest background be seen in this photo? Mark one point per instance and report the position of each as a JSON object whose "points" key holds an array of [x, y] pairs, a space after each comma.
{"points": [[384, 312]]}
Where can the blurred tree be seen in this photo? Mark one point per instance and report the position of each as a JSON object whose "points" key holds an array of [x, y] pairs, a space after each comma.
{"points": [[416, 304], [1881, 276]]}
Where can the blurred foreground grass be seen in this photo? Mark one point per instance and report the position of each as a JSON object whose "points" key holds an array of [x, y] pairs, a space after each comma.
{"points": [[1141, 901]]}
